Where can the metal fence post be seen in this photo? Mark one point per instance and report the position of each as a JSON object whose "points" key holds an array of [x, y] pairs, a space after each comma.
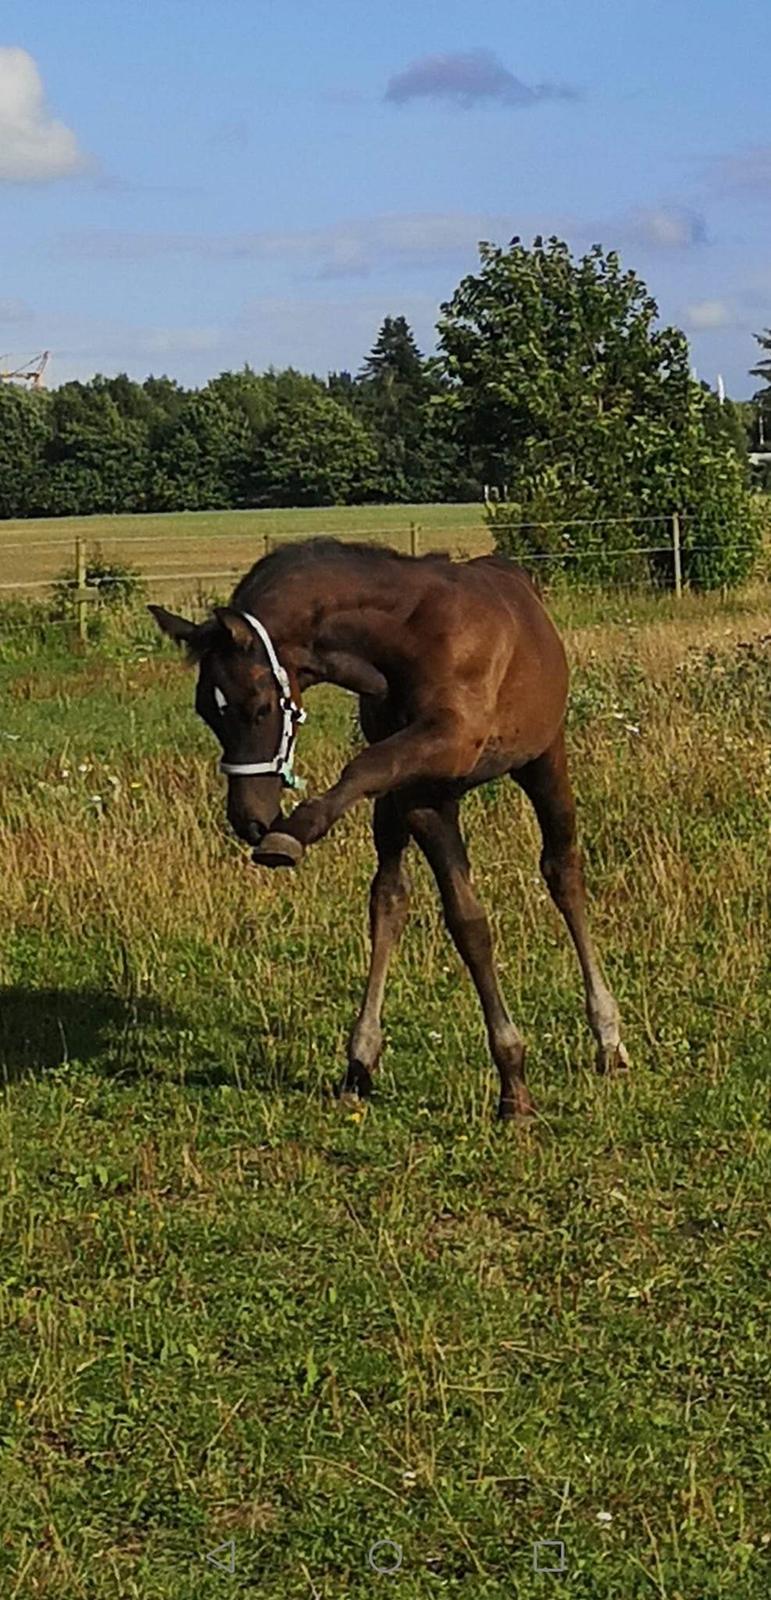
{"points": [[80, 584], [676, 554]]}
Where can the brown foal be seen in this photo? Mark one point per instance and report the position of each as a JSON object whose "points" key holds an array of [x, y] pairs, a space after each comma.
{"points": [[461, 677]]}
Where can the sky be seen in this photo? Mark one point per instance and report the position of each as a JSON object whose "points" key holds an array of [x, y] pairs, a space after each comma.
{"points": [[187, 186]]}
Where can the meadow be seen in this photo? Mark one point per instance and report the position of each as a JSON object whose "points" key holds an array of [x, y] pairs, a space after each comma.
{"points": [[233, 1308], [216, 543]]}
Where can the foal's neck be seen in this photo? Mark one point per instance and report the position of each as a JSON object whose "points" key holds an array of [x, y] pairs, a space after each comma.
{"points": [[310, 605]]}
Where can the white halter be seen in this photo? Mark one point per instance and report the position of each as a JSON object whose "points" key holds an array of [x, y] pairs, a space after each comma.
{"points": [[292, 714]]}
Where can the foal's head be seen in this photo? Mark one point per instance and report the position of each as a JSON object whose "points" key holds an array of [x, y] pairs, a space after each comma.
{"points": [[239, 698]]}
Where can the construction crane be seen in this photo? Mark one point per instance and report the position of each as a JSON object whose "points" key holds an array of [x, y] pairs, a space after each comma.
{"points": [[28, 372]]}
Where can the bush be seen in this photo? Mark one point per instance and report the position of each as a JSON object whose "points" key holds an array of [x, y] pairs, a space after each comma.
{"points": [[115, 583]]}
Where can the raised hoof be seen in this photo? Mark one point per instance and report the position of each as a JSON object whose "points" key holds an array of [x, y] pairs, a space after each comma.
{"points": [[278, 850], [612, 1058]]}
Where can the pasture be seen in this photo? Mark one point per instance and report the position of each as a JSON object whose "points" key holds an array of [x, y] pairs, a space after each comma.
{"points": [[35, 551], [232, 1309]]}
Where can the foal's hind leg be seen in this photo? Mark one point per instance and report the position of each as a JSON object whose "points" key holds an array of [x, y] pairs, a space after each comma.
{"points": [[438, 834], [547, 784], [388, 903]]}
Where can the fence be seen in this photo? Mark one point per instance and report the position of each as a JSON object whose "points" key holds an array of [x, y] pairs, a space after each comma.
{"points": [[414, 538]]}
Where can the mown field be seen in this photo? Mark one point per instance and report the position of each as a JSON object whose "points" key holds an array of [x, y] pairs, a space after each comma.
{"points": [[216, 543], [233, 1309]]}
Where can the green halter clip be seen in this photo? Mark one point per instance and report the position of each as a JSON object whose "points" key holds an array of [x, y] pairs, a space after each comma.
{"points": [[290, 778]]}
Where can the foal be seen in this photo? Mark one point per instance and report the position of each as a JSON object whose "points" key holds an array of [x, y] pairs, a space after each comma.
{"points": [[461, 677]]}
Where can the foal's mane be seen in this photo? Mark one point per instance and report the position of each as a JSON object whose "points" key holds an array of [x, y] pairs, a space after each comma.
{"points": [[297, 554]]}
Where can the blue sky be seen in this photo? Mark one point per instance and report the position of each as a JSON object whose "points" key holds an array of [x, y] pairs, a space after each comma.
{"points": [[185, 186]]}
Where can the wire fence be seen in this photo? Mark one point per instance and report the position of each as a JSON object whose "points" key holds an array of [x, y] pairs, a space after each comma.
{"points": [[80, 583]]}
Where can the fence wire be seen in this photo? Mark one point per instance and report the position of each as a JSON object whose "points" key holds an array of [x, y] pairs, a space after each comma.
{"points": [[78, 591], [276, 537]]}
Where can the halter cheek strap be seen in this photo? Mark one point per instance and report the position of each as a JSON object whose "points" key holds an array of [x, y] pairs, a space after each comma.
{"points": [[292, 716]]}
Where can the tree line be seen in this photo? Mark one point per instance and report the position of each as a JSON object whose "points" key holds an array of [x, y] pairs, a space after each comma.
{"points": [[278, 438], [554, 384]]}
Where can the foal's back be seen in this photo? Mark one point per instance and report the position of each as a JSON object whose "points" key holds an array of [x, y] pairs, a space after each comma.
{"points": [[483, 643]]}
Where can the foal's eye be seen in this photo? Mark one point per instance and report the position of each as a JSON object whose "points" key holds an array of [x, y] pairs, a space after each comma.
{"points": [[219, 700]]}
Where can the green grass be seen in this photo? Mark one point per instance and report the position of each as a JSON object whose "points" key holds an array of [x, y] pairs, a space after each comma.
{"points": [[232, 1309], [167, 546]]}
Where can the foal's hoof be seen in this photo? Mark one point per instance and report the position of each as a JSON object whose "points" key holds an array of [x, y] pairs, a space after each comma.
{"points": [[517, 1107], [278, 850], [612, 1058], [357, 1083]]}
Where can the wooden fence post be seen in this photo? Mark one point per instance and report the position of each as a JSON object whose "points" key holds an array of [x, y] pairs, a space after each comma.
{"points": [[267, 544], [676, 554], [80, 584], [414, 538]]}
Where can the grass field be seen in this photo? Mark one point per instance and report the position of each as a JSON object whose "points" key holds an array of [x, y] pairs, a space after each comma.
{"points": [[217, 542], [232, 1309]]}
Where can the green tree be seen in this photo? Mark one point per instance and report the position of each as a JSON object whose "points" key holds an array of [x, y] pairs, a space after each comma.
{"points": [[25, 425], [761, 410], [96, 458], [566, 390], [202, 457], [393, 392], [316, 452]]}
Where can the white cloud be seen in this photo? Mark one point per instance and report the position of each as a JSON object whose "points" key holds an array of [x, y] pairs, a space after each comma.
{"points": [[668, 228], [316, 334], [34, 147], [346, 249], [709, 314], [366, 245]]}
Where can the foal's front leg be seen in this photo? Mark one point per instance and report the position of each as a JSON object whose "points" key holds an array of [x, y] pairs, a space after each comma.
{"points": [[438, 749]]}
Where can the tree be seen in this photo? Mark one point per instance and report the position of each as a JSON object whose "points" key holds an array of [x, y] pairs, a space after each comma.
{"points": [[565, 389], [761, 408], [763, 371], [316, 453], [394, 391], [96, 459], [202, 460], [25, 425]]}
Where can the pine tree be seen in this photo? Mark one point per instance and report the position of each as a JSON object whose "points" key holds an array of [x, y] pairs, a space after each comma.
{"points": [[394, 393]]}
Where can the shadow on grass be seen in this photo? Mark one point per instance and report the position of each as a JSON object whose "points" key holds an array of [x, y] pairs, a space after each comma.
{"points": [[41, 1029], [125, 1039]]}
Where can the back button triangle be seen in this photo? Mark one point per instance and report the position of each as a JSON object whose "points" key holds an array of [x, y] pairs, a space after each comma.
{"points": [[228, 1549]]}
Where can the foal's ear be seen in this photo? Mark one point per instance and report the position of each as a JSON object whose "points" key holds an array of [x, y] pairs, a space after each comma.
{"points": [[177, 628], [236, 625]]}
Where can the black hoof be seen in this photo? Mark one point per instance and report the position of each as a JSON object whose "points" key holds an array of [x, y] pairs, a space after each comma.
{"points": [[357, 1081]]}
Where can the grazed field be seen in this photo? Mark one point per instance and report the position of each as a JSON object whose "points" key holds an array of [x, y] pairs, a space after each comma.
{"points": [[232, 1310], [221, 542]]}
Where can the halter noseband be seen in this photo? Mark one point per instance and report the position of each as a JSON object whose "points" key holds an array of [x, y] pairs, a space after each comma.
{"points": [[292, 715]]}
